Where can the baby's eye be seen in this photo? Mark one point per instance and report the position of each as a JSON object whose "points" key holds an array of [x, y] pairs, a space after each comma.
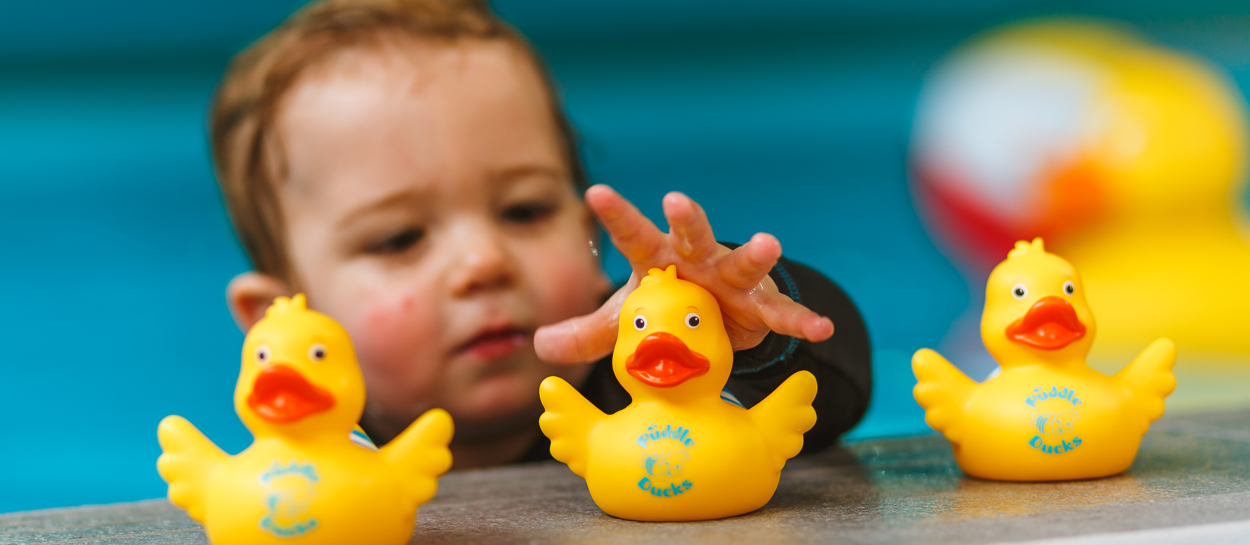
{"points": [[317, 352], [397, 243], [263, 354], [1019, 291], [529, 212], [1069, 288], [692, 320], [640, 322]]}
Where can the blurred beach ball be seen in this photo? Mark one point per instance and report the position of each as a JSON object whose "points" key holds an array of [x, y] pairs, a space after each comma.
{"points": [[1127, 157]]}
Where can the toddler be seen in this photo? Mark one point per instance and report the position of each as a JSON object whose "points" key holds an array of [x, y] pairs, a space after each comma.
{"points": [[407, 165]]}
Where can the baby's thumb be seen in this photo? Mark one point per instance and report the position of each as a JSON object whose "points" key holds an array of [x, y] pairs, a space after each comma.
{"points": [[577, 340], [583, 339]]}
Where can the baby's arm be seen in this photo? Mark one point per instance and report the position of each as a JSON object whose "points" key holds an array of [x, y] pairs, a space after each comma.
{"points": [[777, 312], [842, 363]]}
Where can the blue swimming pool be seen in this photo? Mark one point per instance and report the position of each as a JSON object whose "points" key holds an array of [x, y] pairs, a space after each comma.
{"points": [[115, 250]]}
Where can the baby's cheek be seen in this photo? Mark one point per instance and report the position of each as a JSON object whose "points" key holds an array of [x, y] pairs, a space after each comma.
{"points": [[568, 286], [396, 339]]}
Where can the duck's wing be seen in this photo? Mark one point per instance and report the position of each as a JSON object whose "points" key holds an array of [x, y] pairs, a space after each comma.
{"points": [[420, 454], [942, 390], [188, 461], [785, 415], [1149, 378], [568, 421]]}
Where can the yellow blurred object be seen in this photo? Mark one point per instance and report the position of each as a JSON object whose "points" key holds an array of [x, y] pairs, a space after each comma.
{"points": [[1047, 415], [1129, 158], [304, 480], [678, 451]]}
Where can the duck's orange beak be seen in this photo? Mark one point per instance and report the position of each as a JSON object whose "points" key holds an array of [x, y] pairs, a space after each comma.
{"points": [[1050, 324], [282, 395], [663, 361]]}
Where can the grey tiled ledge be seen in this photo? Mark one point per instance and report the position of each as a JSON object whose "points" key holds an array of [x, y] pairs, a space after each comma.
{"points": [[1191, 470]]}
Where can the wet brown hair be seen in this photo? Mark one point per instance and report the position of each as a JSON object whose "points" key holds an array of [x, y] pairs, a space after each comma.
{"points": [[244, 109]]}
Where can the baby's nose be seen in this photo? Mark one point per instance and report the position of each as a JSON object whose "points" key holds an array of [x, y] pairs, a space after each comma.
{"points": [[484, 263]]}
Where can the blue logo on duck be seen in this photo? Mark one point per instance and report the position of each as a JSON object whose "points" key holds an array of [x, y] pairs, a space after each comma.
{"points": [[1040, 395], [680, 434], [664, 460], [1056, 429], [290, 490]]}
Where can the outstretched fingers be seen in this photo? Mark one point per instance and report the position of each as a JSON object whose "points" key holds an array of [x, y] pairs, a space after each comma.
{"points": [[631, 232], [738, 277], [786, 317], [583, 339], [748, 264], [689, 231]]}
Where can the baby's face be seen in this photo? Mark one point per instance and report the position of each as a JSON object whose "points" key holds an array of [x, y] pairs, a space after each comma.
{"points": [[430, 210]]}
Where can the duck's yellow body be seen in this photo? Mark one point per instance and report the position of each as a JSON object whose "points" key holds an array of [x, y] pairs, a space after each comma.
{"points": [[1129, 156], [1047, 415], [304, 480], [678, 452]]}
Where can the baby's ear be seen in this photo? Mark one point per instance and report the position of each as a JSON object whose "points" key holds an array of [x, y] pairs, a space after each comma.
{"points": [[249, 296]]}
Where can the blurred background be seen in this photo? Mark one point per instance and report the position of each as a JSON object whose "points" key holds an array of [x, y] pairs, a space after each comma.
{"points": [[794, 117]]}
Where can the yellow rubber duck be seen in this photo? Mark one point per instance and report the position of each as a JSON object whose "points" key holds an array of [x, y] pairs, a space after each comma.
{"points": [[1170, 167], [1127, 156], [304, 480], [1046, 416], [678, 452]]}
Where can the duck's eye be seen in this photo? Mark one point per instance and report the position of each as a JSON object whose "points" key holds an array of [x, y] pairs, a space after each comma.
{"points": [[317, 352], [692, 320], [1019, 291], [1069, 288], [263, 354], [640, 322]]}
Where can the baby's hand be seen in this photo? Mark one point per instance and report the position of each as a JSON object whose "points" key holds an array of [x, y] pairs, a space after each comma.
{"points": [[749, 300]]}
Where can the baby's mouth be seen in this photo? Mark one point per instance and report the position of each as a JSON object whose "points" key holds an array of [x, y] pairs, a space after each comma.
{"points": [[496, 343], [282, 395], [1050, 324]]}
